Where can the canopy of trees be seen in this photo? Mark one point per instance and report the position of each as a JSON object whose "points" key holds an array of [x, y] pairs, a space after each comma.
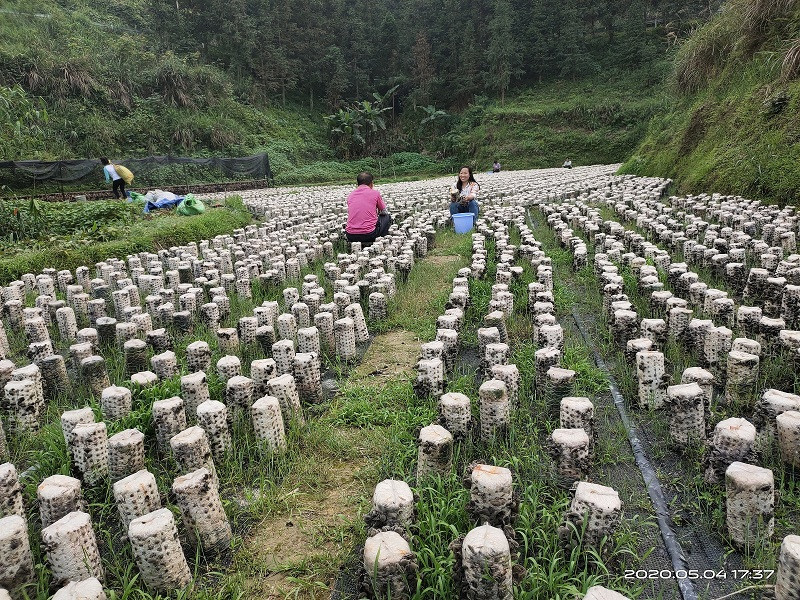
{"points": [[438, 51], [151, 76]]}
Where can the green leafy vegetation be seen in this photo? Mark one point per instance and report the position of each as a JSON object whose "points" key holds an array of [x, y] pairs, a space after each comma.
{"points": [[21, 120], [400, 164], [31, 219], [88, 232], [595, 120], [138, 77], [732, 123]]}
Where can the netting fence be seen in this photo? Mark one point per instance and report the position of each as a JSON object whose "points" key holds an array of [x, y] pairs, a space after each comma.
{"points": [[149, 171]]}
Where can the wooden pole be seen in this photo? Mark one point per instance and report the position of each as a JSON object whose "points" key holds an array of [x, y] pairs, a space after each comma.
{"points": [[61, 179]]}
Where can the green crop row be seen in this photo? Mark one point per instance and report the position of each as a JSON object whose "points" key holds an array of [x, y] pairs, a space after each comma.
{"points": [[129, 237]]}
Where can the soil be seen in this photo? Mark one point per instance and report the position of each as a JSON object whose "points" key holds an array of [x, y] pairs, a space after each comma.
{"points": [[286, 543], [701, 543], [442, 259], [636, 503], [302, 534], [390, 356]]}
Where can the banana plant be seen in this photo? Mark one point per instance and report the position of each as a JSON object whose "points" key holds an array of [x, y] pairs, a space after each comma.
{"points": [[345, 128], [431, 113], [353, 127], [371, 113]]}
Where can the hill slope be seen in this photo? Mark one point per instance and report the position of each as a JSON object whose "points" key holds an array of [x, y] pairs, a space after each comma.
{"points": [[592, 121], [733, 125], [109, 89], [138, 77]]}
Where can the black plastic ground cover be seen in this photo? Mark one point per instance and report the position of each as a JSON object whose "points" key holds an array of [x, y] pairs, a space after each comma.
{"points": [[649, 476], [706, 552], [347, 585]]}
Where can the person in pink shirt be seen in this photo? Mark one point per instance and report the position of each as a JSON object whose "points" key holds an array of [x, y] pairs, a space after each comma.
{"points": [[367, 217]]}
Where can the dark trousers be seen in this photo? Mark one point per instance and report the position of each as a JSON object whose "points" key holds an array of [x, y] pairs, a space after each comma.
{"points": [[117, 186], [381, 229], [471, 206]]}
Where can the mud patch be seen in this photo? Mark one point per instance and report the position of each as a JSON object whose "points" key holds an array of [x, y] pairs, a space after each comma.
{"points": [[442, 259], [296, 554], [391, 355]]}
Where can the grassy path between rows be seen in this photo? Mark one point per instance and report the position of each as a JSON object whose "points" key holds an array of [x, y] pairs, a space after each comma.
{"points": [[296, 516], [314, 525], [614, 462]]}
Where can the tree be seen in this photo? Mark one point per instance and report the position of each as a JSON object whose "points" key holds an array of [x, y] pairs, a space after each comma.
{"points": [[311, 26], [357, 128], [335, 83], [574, 58], [346, 126], [429, 123], [422, 69], [276, 65], [503, 55], [21, 121], [277, 70], [387, 61], [358, 49], [536, 51], [632, 45], [467, 77]]}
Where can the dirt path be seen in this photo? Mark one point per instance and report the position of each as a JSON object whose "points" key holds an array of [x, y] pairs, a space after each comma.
{"points": [[389, 356], [293, 548], [297, 550]]}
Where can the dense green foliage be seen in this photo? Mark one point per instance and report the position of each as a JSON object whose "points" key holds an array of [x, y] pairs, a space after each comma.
{"points": [[400, 164], [591, 121], [30, 219], [435, 51], [20, 120], [733, 124], [137, 77]]}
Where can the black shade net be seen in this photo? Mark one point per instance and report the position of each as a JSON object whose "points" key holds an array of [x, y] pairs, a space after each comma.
{"points": [[64, 171]]}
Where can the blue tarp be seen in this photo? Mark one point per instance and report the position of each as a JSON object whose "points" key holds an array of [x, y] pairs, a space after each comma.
{"points": [[163, 203]]}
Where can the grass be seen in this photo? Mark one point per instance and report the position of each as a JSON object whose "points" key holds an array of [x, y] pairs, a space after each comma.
{"points": [[732, 125], [172, 101], [393, 414], [592, 121], [371, 429], [253, 481], [682, 471], [148, 235], [550, 571], [296, 516], [428, 287]]}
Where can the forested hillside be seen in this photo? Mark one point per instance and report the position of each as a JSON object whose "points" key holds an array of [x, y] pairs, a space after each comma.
{"points": [[734, 119], [136, 77]]}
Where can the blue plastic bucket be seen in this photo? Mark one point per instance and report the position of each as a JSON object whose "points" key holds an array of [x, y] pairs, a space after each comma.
{"points": [[463, 222]]}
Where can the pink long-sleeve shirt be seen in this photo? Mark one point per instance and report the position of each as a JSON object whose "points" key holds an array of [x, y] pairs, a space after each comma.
{"points": [[363, 205]]}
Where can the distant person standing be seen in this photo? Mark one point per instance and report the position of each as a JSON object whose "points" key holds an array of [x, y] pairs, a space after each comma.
{"points": [[463, 195], [118, 183], [496, 166], [567, 164], [367, 217]]}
